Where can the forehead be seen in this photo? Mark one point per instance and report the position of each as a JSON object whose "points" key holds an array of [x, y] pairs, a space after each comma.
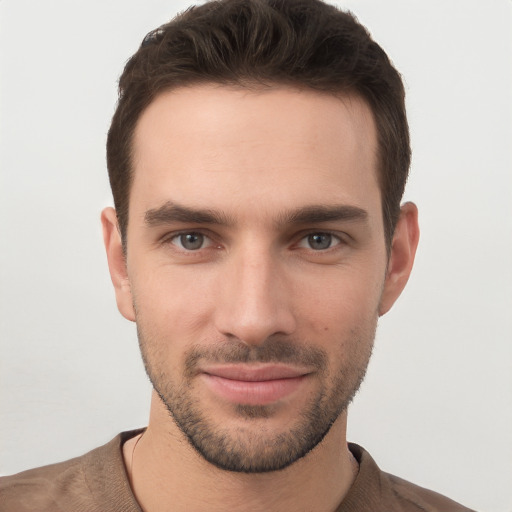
{"points": [[278, 145]]}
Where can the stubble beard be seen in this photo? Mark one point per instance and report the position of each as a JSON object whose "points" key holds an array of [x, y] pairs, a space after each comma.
{"points": [[253, 448]]}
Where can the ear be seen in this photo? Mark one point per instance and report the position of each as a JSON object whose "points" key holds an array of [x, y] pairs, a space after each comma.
{"points": [[117, 263], [401, 259]]}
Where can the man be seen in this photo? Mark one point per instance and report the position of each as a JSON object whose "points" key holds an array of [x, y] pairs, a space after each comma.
{"points": [[257, 158]]}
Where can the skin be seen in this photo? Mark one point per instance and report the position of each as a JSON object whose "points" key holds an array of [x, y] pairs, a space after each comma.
{"points": [[272, 271]]}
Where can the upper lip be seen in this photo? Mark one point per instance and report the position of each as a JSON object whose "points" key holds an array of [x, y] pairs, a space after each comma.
{"points": [[255, 372]]}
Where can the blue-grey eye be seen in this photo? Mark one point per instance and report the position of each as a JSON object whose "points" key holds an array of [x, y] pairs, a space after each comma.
{"points": [[191, 241], [320, 241]]}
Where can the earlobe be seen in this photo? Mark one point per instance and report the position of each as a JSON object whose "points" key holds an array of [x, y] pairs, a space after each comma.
{"points": [[117, 263], [401, 259]]}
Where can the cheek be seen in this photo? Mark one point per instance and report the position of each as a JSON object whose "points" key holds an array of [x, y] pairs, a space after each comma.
{"points": [[347, 325], [341, 302], [170, 319], [172, 302]]}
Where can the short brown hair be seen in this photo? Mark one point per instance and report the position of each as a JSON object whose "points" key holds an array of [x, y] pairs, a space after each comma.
{"points": [[304, 43]]}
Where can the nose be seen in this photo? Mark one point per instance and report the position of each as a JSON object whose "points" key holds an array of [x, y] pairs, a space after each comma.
{"points": [[255, 299]]}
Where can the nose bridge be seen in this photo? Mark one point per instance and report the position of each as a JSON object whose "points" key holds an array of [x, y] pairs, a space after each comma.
{"points": [[254, 302]]}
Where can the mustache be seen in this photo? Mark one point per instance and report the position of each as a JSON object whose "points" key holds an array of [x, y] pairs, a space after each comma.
{"points": [[273, 350]]}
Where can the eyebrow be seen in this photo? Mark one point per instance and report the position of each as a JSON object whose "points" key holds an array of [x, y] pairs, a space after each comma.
{"points": [[171, 212], [316, 214]]}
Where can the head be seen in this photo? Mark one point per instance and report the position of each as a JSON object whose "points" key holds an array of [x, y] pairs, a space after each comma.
{"points": [[257, 158], [255, 44]]}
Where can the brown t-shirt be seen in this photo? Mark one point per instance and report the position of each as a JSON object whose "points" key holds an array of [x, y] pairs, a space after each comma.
{"points": [[97, 482]]}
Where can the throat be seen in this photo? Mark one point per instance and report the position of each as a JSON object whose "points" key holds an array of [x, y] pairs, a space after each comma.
{"points": [[163, 470]]}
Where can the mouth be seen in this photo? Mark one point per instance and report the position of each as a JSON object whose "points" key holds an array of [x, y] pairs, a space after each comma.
{"points": [[254, 384]]}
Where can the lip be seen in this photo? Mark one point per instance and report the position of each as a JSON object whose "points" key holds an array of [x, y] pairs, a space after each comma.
{"points": [[254, 384]]}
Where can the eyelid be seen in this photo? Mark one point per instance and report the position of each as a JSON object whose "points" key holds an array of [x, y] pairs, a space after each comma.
{"points": [[333, 242], [341, 238], [168, 239]]}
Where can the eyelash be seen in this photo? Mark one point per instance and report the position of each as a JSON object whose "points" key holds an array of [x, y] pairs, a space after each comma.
{"points": [[176, 236], [335, 239]]}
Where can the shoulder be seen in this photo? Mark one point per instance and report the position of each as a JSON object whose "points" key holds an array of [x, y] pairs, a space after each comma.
{"points": [[378, 491], [421, 498], [94, 482], [44, 488]]}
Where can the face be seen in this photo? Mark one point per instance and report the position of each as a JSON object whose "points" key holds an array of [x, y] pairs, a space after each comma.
{"points": [[256, 265]]}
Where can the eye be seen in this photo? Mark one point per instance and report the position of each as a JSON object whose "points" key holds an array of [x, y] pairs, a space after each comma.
{"points": [[191, 241], [319, 241]]}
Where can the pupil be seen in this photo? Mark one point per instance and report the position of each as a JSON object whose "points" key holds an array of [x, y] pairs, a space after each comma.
{"points": [[320, 241], [192, 241]]}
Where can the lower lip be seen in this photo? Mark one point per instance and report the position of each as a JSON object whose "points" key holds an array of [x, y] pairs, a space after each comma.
{"points": [[253, 393]]}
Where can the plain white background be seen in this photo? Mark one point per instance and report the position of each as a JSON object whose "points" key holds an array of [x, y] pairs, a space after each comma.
{"points": [[436, 407]]}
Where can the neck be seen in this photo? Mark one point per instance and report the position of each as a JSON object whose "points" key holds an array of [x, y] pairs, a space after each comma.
{"points": [[163, 468]]}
